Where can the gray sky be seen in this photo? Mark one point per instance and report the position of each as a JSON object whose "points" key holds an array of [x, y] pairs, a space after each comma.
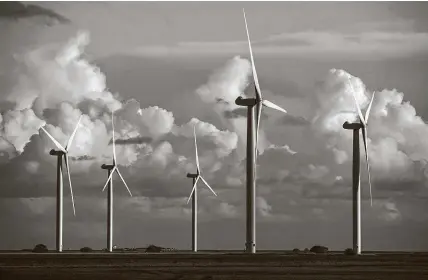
{"points": [[175, 60]]}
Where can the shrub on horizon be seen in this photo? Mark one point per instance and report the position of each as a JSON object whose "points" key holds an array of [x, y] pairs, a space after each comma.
{"points": [[349, 252], [86, 249], [318, 249], [153, 249], [40, 248]]}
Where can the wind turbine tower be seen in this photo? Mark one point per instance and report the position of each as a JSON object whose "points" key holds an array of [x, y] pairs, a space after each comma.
{"points": [[111, 168], [61, 153], [258, 102], [193, 195], [356, 175]]}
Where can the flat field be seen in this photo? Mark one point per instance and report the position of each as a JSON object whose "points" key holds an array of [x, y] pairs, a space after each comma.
{"points": [[192, 266]]}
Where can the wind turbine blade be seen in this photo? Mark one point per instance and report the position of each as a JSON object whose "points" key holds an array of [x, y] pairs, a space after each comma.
{"points": [[256, 80], [196, 148], [193, 189], [272, 105], [109, 178], [69, 180], [72, 135], [369, 108], [123, 180], [356, 103], [208, 185], [259, 108], [367, 161], [114, 146], [53, 140]]}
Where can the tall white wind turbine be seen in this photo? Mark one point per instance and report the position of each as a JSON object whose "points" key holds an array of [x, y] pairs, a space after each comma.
{"points": [[60, 154], [356, 183], [111, 168], [252, 145], [193, 195]]}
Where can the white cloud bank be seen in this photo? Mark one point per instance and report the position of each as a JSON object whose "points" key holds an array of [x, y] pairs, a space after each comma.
{"points": [[396, 133], [56, 85]]}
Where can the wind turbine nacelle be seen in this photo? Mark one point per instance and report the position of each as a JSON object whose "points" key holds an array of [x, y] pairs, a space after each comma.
{"points": [[190, 175], [352, 126], [107, 166], [245, 101], [55, 153]]}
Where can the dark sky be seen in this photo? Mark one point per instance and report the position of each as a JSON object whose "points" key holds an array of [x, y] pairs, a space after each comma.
{"points": [[183, 64]]}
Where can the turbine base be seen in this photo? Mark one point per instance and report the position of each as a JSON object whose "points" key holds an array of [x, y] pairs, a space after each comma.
{"points": [[250, 247]]}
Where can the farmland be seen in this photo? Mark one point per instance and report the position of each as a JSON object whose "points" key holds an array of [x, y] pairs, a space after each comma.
{"points": [[212, 265]]}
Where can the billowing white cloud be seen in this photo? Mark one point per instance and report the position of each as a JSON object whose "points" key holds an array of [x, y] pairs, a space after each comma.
{"points": [[57, 73], [150, 122], [7, 150], [32, 166], [225, 141], [396, 134], [263, 208], [17, 126], [388, 211], [315, 172], [226, 210], [284, 147], [223, 87], [56, 84]]}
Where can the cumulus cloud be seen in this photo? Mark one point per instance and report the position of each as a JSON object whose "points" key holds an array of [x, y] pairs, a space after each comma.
{"points": [[17, 126], [56, 85], [293, 120], [227, 210], [263, 208], [17, 10], [57, 73], [53, 81], [315, 172], [225, 141], [396, 134], [32, 166], [388, 211], [149, 122], [7, 150], [223, 87]]}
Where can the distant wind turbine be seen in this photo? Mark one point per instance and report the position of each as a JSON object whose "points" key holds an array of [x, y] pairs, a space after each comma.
{"points": [[111, 168], [356, 183], [252, 146], [193, 195], [60, 154]]}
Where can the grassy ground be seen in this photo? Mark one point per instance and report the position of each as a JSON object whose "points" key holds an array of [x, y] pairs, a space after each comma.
{"points": [[266, 265]]}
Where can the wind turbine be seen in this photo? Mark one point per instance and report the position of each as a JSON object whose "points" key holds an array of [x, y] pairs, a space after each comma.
{"points": [[356, 183], [258, 102], [60, 154], [111, 168], [193, 195]]}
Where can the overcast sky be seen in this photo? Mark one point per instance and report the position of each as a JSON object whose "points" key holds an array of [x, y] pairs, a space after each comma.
{"points": [[165, 67]]}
